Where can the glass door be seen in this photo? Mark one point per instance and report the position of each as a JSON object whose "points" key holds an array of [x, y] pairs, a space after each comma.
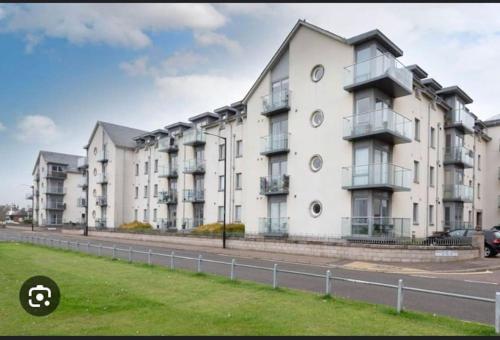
{"points": [[360, 219], [360, 171], [381, 114], [362, 66], [278, 217], [279, 131], [380, 166]]}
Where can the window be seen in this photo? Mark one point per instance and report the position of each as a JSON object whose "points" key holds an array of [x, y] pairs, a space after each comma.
{"points": [[239, 148], [478, 190], [237, 213], [221, 183], [145, 215], [155, 192], [431, 176], [416, 171], [222, 152], [317, 118], [316, 163], [136, 192], [220, 213], [317, 73], [137, 169], [431, 214], [154, 215], [415, 213], [136, 215], [479, 162], [433, 137], [417, 129], [95, 150], [238, 181], [156, 165], [146, 168], [316, 208], [145, 191]]}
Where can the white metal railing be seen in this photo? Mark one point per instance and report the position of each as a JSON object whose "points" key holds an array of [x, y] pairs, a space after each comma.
{"points": [[380, 174], [376, 121], [376, 67]]}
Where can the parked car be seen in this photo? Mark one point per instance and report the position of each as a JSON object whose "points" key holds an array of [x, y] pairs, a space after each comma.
{"points": [[497, 227], [491, 243]]}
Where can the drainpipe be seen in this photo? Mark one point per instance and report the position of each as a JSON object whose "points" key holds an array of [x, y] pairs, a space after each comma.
{"points": [[428, 169], [438, 159], [148, 202], [474, 181]]}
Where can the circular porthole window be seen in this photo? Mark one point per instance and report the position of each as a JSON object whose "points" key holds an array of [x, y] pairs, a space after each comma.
{"points": [[317, 73], [316, 163], [317, 118], [316, 208]]}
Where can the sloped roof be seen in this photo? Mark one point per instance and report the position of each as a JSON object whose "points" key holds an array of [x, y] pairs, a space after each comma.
{"points": [[59, 158], [121, 136], [378, 36], [455, 90]]}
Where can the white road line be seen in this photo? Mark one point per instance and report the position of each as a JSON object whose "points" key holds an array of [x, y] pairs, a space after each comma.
{"points": [[486, 283], [427, 277]]}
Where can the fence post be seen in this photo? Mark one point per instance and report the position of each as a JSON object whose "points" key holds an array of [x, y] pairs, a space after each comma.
{"points": [[114, 252], [149, 257], [129, 254], [275, 276], [497, 313], [199, 263], [172, 256], [399, 305], [327, 282], [233, 262]]}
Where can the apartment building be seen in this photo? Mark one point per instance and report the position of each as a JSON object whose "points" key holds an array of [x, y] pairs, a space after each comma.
{"points": [[58, 197], [336, 138]]}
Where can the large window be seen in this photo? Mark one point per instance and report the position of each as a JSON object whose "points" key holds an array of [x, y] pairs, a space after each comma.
{"points": [[237, 213], [238, 181], [417, 129], [431, 214], [222, 152], [415, 213], [416, 171], [146, 168], [220, 213], [221, 183], [155, 192], [431, 176], [145, 191], [156, 165], [137, 169], [239, 148], [433, 138], [136, 193]]}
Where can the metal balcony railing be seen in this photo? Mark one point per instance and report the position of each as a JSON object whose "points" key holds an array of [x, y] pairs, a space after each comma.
{"points": [[82, 162], [193, 137], [51, 205], [191, 195], [459, 155], [55, 190], [457, 192], [56, 220], [102, 156], [168, 172], [276, 102], [167, 144], [381, 175], [274, 185], [376, 227], [274, 144], [384, 123], [167, 197], [460, 118], [100, 222], [383, 71], [101, 201], [56, 174], [194, 166], [273, 226]]}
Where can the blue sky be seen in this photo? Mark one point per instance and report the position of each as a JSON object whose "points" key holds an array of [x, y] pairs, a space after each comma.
{"points": [[64, 66]]}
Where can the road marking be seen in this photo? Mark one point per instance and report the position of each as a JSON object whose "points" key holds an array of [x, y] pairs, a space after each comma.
{"points": [[486, 283], [428, 277]]}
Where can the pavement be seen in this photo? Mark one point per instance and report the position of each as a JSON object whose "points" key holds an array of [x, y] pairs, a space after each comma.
{"points": [[479, 277]]}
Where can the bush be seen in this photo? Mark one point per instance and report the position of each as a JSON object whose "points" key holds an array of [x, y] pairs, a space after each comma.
{"points": [[135, 226], [216, 228]]}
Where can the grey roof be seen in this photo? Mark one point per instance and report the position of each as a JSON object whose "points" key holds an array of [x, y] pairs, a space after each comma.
{"points": [[225, 109], [203, 115], [153, 133], [492, 121], [378, 36], [121, 136], [59, 158], [432, 83], [455, 90], [417, 71], [178, 125]]}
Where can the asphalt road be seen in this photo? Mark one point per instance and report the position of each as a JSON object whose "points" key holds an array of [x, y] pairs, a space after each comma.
{"points": [[484, 284]]}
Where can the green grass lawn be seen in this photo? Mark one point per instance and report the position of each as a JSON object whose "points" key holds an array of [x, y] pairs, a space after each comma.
{"points": [[104, 297]]}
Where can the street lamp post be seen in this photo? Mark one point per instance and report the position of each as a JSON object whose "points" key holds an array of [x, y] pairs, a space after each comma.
{"points": [[225, 180]]}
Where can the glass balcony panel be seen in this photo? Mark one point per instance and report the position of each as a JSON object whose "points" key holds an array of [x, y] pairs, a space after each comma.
{"points": [[457, 192], [276, 102], [273, 144], [194, 136], [167, 145], [459, 155], [194, 166], [273, 226], [383, 175], [461, 118], [274, 185], [375, 227]]}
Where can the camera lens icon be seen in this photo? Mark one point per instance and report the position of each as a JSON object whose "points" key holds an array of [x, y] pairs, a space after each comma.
{"points": [[39, 295]]}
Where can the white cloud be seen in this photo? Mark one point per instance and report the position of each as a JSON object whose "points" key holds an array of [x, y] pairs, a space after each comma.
{"points": [[137, 67], [38, 129], [182, 61], [209, 38], [32, 40], [114, 24], [2, 127]]}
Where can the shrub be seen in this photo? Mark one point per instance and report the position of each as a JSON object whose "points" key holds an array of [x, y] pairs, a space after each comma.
{"points": [[216, 228], [135, 226]]}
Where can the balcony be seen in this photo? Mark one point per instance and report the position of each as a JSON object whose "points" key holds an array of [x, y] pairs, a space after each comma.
{"points": [[100, 222], [383, 72], [167, 197], [56, 174], [37, 177], [168, 172], [54, 190], [459, 155], [29, 196], [166, 224], [457, 193], [275, 103], [194, 166], [274, 145], [54, 221], [276, 185], [82, 163], [167, 145], [194, 137], [194, 195], [102, 178], [81, 202], [460, 119], [190, 223], [373, 227], [101, 201], [383, 176], [454, 225], [50, 205], [102, 156], [82, 183], [383, 124], [271, 226]]}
